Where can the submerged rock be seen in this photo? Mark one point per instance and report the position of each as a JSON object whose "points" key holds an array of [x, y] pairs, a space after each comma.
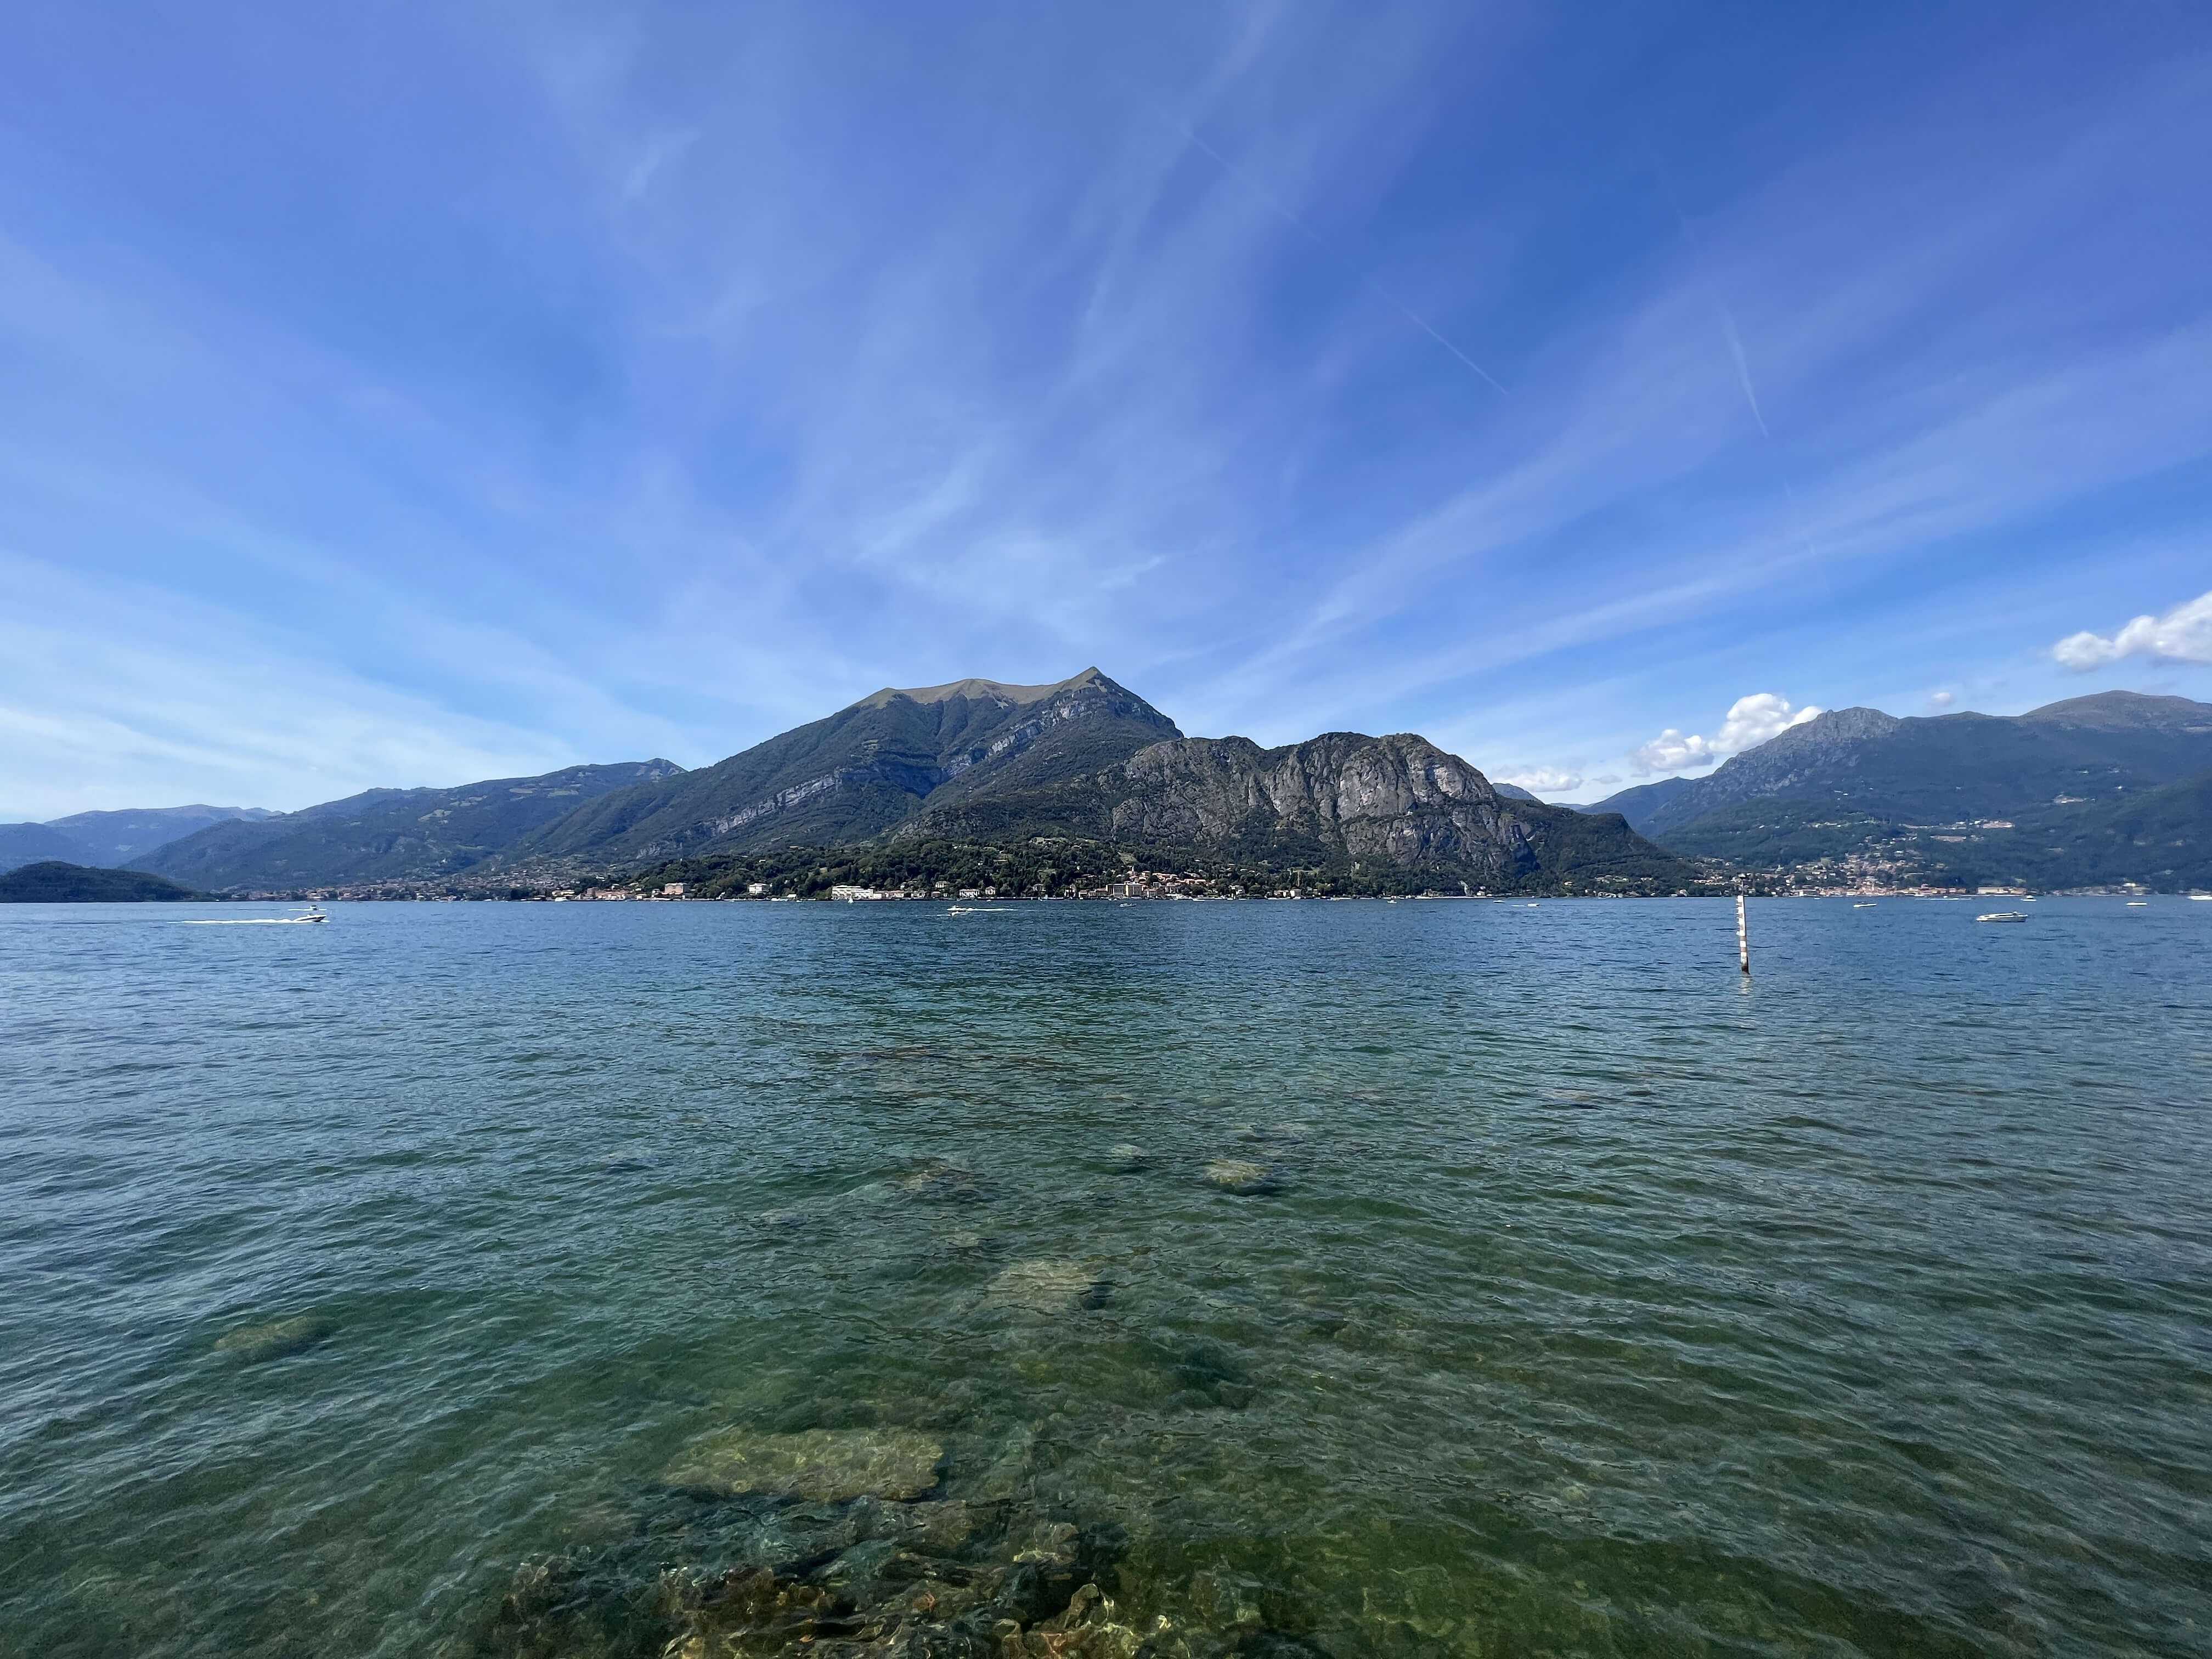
{"points": [[822, 1464], [1011, 1473], [795, 1217], [941, 1526], [1048, 1287], [1211, 1373], [1129, 1157], [250, 1344], [1236, 1175], [1087, 1629], [871, 1578], [1290, 1134], [938, 1183], [750, 1610]]}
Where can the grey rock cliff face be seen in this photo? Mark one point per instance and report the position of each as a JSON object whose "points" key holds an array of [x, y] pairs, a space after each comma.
{"points": [[1397, 799], [1831, 743], [1342, 799]]}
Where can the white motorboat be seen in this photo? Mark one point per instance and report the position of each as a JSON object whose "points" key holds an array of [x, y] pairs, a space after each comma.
{"points": [[2003, 915]]}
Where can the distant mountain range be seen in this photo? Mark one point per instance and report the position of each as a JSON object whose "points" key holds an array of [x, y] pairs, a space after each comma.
{"points": [[2095, 789], [102, 839], [2111, 787], [976, 760], [389, 834]]}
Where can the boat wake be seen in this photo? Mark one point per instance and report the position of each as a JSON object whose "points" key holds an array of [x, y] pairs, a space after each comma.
{"points": [[251, 921]]}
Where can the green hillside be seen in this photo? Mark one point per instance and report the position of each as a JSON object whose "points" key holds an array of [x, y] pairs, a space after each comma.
{"points": [[53, 882], [387, 835], [865, 769], [2162, 837], [1854, 764]]}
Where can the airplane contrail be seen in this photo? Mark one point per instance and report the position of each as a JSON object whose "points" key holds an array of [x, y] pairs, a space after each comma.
{"points": [[1728, 317], [1313, 236], [1743, 367]]}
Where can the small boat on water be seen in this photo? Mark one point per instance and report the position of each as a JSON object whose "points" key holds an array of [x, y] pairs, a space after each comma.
{"points": [[2138, 904], [2003, 915], [312, 913], [1868, 905]]}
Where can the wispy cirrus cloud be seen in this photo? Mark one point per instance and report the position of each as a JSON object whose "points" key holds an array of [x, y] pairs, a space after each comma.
{"points": [[183, 702], [660, 380]]}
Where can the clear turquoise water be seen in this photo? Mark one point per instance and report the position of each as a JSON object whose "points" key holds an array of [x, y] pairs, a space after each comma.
{"points": [[1602, 1304]]}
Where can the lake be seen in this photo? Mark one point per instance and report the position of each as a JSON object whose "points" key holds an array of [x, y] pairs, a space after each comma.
{"points": [[1350, 1279]]}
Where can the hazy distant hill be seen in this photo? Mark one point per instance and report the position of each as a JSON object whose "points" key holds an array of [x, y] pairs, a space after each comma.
{"points": [[29, 843], [1344, 800], [1945, 767], [2160, 836], [2042, 797], [383, 835], [103, 839], [54, 882], [865, 769], [1641, 804], [118, 837]]}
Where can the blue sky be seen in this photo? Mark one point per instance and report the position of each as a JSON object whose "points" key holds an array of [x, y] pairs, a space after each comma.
{"points": [[402, 394]]}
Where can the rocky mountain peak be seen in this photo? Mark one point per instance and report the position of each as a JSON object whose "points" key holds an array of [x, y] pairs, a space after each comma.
{"points": [[2126, 711], [998, 691]]}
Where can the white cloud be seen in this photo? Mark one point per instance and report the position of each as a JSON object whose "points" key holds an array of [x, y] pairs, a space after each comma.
{"points": [[1751, 720], [1673, 751], [2182, 634], [1939, 701], [1545, 781]]}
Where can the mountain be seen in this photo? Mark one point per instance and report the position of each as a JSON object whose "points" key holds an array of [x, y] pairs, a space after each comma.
{"points": [[1642, 804], [1344, 801], [972, 761], [28, 843], [389, 834], [105, 839], [118, 837], [54, 882], [864, 770], [2162, 836], [1512, 792], [1942, 769]]}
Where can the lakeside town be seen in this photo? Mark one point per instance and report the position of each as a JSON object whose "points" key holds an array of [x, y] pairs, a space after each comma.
{"points": [[1154, 886]]}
